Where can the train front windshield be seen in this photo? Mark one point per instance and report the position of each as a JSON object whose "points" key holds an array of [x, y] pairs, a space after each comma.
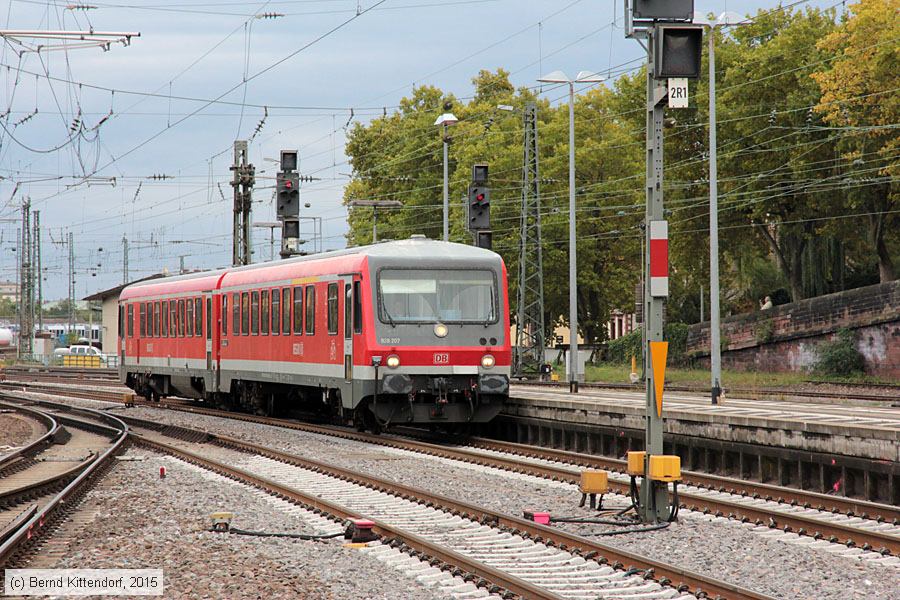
{"points": [[437, 296]]}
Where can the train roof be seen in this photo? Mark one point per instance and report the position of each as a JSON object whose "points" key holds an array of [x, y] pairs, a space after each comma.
{"points": [[413, 248]]}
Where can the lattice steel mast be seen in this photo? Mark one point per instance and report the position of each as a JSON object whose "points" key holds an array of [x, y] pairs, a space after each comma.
{"points": [[530, 305]]}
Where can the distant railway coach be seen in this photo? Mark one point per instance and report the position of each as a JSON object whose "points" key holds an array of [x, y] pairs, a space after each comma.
{"points": [[413, 331]]}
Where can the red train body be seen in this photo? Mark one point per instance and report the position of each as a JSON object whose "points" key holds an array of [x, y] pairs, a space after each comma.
{"points": [[415, 331]]}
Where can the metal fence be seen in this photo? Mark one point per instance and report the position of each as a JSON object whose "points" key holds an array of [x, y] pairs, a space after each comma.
{"points": [[81, 361]]}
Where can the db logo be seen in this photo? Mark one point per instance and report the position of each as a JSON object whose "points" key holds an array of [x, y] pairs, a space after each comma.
{"points": [[441, 358]]}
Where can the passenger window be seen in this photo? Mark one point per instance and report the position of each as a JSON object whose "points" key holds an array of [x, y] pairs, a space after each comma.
{"points": [[357, 309], [173, 318], [333, 309], [298, 310], [209, 317], [224, 314], [286, 310], [276, 311], [254, 313], [156, 319], [131, 320], [182, 317], [264, 312], [121, 322], [245, 313], [348, 311], [164, 313], [190, 318], [236, 314], [143, 314], [198, 317], [310, 310]]}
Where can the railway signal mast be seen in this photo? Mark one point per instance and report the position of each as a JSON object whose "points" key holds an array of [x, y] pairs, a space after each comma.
{"points": [[479, 206], [287, 197], [674, 44]]}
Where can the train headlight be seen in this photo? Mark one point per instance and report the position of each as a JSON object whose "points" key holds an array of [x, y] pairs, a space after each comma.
{"points": [[441, 330], [393, 361], [487, 361]]}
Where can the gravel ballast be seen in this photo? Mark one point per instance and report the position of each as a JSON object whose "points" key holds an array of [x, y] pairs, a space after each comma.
{"points": [[142, 521], [723, 548]]}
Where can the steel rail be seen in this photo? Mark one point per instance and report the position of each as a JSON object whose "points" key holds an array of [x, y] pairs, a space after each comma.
{"points": [[664, 573], [798, 523], [38, 523], [509, 582], [745, 393], [35, 445], [791, 496]]}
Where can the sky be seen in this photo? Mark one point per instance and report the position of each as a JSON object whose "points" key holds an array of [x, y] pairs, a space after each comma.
{"points": [[302, 79]]}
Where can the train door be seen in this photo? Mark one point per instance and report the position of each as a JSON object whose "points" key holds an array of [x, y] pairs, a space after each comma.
{"points": [[348, 329], [209, 328]]}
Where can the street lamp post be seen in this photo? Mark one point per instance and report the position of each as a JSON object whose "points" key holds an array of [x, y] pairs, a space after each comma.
{"points": [[583, 77], [376, 204], [445, 120], [725, 19]]}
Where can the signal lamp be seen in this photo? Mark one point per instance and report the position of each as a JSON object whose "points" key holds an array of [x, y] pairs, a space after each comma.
{"points": [[393, 361], [487, 361], [441, 330]]}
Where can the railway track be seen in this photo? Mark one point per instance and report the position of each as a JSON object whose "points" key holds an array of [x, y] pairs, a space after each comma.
{"points": [[42, 481], [526, 559], [62, 375], [752, 393], [848, 521]]}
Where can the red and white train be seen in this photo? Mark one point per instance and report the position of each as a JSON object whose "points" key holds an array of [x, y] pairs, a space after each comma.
{"points": [[412, 331]]}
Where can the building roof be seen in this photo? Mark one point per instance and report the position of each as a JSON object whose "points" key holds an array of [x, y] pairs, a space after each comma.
{"points": [[116, 290]]}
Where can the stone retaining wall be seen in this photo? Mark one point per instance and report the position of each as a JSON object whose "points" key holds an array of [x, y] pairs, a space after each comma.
{"points": [[785, 337]]}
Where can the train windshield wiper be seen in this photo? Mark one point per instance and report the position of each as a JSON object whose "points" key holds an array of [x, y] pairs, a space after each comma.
{"points": [[388, 315], [490, 315]]}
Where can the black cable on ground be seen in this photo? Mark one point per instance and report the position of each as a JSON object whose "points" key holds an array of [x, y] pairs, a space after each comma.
{"points": [[631, 530], [587, 520], [298, 536]]}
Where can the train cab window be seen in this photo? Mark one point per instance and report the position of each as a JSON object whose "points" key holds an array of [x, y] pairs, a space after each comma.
{"points": [[348, 311], [286, 310], [236, 314], [189, 321], [298, 310], [198, 317], [182, 317], [245, 313], [310, 310], [276, 311], [224, 314], [254, 313], [142, 308], [333, 308], [173, 318], [264, 312], [357, 309], [156, 319], [130, 320]]}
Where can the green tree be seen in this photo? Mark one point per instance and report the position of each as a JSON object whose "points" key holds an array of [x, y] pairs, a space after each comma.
{"points": [[777, 150], [859, 95]]}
